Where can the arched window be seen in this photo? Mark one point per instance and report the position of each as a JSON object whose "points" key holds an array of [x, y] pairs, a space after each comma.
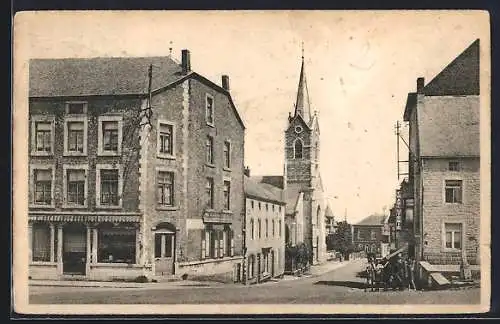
{"points": [[298, 149]]}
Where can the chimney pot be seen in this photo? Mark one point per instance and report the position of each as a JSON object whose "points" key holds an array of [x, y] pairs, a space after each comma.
{"points": [[186, 61], [225, 82], [420, 85]]}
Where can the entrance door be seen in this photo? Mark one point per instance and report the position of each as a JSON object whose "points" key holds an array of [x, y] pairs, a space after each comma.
{"points": [[164, 253], [74, 249]]}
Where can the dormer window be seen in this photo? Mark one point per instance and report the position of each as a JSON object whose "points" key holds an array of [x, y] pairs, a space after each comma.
{"points": [[453, 166], [297, 149]]}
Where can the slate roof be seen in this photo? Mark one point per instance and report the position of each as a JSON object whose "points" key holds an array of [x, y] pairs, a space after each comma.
{"points": [[100, 76], [460, 77], [372, 220], [292, 195], [302, 104], [255, 189], [449, 126]]}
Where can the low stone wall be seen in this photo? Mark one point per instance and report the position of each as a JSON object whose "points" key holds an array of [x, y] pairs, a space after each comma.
{"points": [[117, 271], [44, 271], [220, 270]]}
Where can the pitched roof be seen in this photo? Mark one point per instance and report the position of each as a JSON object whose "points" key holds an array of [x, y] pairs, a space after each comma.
{"points": [[292, 193], [99, 76], [449, 126], [372, 220], [255, 189], [302, 104], [460, 77]]}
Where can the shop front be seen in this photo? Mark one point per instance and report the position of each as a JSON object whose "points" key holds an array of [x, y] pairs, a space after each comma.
{"points": [[87, 247]]}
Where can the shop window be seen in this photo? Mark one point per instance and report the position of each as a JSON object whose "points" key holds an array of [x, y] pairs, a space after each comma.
{"points": [[40, 242], [117, 245]]}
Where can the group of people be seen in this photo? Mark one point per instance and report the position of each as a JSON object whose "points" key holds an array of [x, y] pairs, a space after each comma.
{"points": [[393, 273]]}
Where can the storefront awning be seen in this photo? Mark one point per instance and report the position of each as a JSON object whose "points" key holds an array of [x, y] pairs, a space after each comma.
{"points": [[400, 250], [86, 218]]}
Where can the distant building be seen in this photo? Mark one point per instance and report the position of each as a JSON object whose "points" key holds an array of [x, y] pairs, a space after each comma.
{"points": [[367, 234], [264, 231], [444, 178], [329, 221], [118, 190]]}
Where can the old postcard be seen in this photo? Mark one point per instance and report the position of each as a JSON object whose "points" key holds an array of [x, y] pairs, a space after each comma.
{"points": [[251, 162]]}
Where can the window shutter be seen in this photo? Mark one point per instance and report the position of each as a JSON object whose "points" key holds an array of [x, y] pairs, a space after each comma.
{"points": [[224, 242], [203, 245], [231, 234]]}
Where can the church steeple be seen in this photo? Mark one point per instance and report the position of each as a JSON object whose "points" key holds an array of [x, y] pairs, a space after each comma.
{"points": [[302, 105]]}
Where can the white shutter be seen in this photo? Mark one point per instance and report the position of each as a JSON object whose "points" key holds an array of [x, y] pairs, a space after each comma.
{"points": [[221, 244], [232, 242], [224, 243], [207, 244]]}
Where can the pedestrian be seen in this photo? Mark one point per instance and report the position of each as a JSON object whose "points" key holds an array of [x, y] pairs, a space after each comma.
{"points": [[411, 274]]}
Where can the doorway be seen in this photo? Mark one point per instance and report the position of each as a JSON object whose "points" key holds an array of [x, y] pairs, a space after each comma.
{"points": [[164, 252], [74, 249]]}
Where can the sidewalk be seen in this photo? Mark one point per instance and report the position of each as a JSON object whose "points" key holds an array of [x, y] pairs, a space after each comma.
{"points": [[116, 284]]}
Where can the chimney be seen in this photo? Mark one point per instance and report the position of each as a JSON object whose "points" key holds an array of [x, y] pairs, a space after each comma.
{"points": [[186, 61], [225, 82], [420, 85], [247, 171]]}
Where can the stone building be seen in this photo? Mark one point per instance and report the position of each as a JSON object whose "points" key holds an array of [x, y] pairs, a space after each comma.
{"points": [[443, 117], [265, 230], [367, 234], [136, 168]]}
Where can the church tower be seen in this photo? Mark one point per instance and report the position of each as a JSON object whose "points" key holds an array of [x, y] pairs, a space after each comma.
{"points": [[302, 172]]}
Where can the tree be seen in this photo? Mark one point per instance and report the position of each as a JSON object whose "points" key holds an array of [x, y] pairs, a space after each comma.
{"points": [[343, 239]]}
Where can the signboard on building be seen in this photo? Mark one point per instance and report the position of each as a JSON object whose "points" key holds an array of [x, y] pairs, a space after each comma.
{"points": [[399, 209]]}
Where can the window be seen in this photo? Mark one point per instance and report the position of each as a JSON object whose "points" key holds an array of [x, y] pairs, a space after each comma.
{"points": [[359, 235], [298, 149], [259, 206], [272, 207], [251, 266], [165, 181], [453, 235], [227, 155], [116, 244], [217, 242], [453, 166], [109, 185], [164, 245], [251, 203], [40, 242], [259, 229], [76, 186], [273, 227], [110, 135], [227, 195], [267, 207], [42, 135], [209, 148], [279, 208], [267, 228], [209, 193], [453, 191], [279, 229], [252, 229], [165, 142], [209, 113], [373, 235], [75, 136], [43, 187], [76, 108]]}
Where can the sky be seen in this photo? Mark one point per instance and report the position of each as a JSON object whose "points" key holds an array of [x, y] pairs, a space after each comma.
{"points": [[360, 66]]}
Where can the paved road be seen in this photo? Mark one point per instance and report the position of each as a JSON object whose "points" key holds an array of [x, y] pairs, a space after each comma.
{"points": [[340, 286]]}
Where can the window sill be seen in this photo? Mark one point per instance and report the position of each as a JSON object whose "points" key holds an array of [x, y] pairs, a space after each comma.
{"points": [[43, 263], [167, 208], [229, 212], [74, 206], [75, 154], [453, 203], [165, 156], [451, 250], [42, 206], [210, 165], [109, 207], [41, 153], [226, 169], [211, 124], [109, 154]]}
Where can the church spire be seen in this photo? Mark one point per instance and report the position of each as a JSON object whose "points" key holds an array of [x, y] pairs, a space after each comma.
{"points": [[302, 105]]}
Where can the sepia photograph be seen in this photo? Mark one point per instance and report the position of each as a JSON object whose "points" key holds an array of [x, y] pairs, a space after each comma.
{"points": [[251, 162]]}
